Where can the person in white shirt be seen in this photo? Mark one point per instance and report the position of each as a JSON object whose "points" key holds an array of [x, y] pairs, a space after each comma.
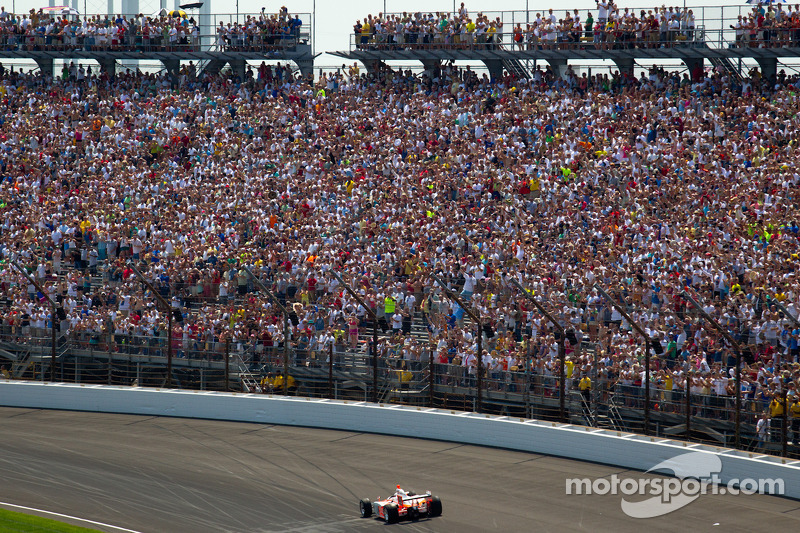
{"points": [[602, 11], [762, 430], [469, 286]]}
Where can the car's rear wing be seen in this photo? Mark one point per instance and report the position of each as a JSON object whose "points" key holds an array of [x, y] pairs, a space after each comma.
{"points": [[416, 496]]}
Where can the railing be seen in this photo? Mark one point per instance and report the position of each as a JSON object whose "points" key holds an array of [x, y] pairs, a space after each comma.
{"points": [[595, 40], [525, 386], [714, 26], [335, 372], [215, 32]]}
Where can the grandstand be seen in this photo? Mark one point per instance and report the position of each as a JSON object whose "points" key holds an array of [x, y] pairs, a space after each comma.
{"points": [[616, 250], [209, 41], [514, 40]]}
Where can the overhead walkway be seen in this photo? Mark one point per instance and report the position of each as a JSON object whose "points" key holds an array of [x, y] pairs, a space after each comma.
{"points": [[713, 38], [207, 50]]}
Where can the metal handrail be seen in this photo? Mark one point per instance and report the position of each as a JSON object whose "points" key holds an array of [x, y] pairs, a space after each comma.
{"points": [[428, 41]]}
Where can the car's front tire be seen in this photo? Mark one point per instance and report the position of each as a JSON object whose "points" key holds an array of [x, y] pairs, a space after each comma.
{"points": [[366, 508], [391, 514]]}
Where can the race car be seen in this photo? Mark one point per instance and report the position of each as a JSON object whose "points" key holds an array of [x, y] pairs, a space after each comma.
{"points": [[402, 505]]}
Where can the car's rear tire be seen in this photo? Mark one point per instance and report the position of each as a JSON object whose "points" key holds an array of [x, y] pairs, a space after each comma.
{"points": [[435, 506], [366, 508], [390, 514]]}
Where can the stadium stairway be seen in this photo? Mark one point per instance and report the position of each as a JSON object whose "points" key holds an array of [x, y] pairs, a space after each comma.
{"points": [[515, 68], [727, 65]]}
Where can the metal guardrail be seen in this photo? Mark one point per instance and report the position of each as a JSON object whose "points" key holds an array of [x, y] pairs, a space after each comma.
{"points": [[606, 40], [338, 373], [713, 26], [242, 33]]}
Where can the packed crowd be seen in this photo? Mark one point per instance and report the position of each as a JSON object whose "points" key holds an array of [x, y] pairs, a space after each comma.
{"points": [[768, 26], [38, 31], [606, 28], [644, 185]]}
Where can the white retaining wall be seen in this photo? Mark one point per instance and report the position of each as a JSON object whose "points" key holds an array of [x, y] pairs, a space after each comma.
{"points": [[574, 442]]}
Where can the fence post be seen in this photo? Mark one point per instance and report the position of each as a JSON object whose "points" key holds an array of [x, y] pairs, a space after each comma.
{"points": [[110, 349], [562, 376], [227, 363], [688, 387], [286, 335], [431, 379], [374, 318], [737, 440], [735, 345], [53, 318], [330, 370], [561, 347], [477, 319], [167, 308], [647, 342], [784, 421], [527, 389]]}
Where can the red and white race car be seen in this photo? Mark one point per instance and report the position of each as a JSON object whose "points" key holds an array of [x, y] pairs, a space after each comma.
{"points": [[402, 505]]}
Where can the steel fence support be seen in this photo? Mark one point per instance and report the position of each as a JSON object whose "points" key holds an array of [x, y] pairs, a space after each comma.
{"points": [[374, 318], [647, 342], [561, 348], [431, 378], [168, 310], [227, 364], [110, 349], [477, 319], [53, 318], [285, 327], [738, 351], [330, 370]]}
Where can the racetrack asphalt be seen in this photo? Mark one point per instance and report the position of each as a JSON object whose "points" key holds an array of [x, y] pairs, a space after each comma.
{"points": [[155, 474]]}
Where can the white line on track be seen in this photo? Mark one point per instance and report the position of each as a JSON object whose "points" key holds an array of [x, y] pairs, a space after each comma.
{"points": [[4, 504]]}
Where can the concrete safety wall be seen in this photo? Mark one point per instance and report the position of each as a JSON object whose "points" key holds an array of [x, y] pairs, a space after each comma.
{"points": [[574, 442]]}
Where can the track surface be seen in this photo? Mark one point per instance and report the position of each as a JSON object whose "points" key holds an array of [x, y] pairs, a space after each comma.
{"points": [[169, 474]]}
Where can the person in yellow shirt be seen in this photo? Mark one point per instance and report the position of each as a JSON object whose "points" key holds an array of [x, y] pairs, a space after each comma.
{"points": [[776, 406], [389, 305], [585, 386], [267, 384], [470, 37], [535, 186], [569, 372], [668, 385], [277, 384], [794, 412], [366, 30], [490, 34]]}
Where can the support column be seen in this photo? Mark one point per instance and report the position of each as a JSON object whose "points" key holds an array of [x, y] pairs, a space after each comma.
{"points": [[213, 67], [625, 65], [559, 66], [130, 7], [238, 67], [109, 66], [768, 66], [495, 67], [306, 67], [695, 65], [173, 66], [46, 67], [207, 29], [430, 66]]}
